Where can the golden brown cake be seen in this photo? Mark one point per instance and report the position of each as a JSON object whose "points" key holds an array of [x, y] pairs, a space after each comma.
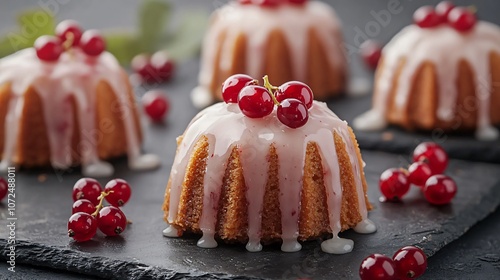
{"points": [[287, 42], [257, 181], [439, 78], [76, 110]]}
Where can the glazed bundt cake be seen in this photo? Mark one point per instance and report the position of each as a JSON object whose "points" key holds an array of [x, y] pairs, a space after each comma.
{"points": [[255, 180], [287, 41], [439, 78], [68, 109]]}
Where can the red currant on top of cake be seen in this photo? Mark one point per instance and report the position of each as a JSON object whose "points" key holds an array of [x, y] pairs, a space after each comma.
{"points": [[77, 97], [286, 39], [244, 166], [439, 73]]}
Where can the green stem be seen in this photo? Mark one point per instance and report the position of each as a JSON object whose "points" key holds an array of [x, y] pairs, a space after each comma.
{"points": [[271, 89]]}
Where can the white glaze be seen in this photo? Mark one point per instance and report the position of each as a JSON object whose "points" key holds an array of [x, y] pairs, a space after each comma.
{"points": [[73, 75], [337, 245], [445, 48], [257, 23], [365, 226], [171, 231], [226, 127]]}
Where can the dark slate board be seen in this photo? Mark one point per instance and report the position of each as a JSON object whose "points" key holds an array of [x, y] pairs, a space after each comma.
{"points": [[396, 140]]}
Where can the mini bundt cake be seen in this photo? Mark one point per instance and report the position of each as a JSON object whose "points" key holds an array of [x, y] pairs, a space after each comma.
{"points": [[67, 108], [256, 180], [439, 78], [287, 41]]}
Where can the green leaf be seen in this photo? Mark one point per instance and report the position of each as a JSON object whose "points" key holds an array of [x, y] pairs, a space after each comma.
{"points": [[152, 22], [186, 41], [35, 23], [123, 45]]}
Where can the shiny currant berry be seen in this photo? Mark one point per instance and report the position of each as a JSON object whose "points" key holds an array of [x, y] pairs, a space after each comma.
{"points": [[111, 221], [69, 30], [164, 66], [245, 2], [462, 19], [82, 226], [371, 52], [255, 101], [92, 43], [141, 64], [432, 154], [292, 113], [440, 189], [443, 9], [83, 205], [394, 183], [233, 85], [410, 262], [48, 48], [377, 267], [426, 17], [87, 188], [268, 3], [296, 90], [156, 105], [119, 192], [4, 188], [419, 172]]}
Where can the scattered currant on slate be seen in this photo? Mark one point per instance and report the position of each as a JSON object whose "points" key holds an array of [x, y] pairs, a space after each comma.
{"points": [[156, 68], [429, 162], [293, 99], [371, 52], [461, 19], [409, 262], [89, 215], [4, 188], [69, 35], [156, 105]]}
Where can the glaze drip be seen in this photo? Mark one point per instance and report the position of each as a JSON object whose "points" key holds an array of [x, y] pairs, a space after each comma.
{"points": [[225, 127], [445, 48], [74, 75]]}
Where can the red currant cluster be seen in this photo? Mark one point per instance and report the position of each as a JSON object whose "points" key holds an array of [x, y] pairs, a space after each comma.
{"points": [[271, 3], [292, 98], [409, 262], [89, 212], [4, 188], [155, 104], [429, 162], [69, 35], [461, 18], [371, 52], [156, 68]]}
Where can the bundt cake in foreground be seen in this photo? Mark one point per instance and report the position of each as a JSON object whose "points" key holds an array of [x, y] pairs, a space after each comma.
{"points": [[64, 108], [439, 77], [257, 180], [287, 41]]}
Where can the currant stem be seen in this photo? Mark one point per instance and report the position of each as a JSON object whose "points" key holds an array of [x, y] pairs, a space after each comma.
{"points": [[70, 38], [472, 9], [271, 89], [101, 200]]}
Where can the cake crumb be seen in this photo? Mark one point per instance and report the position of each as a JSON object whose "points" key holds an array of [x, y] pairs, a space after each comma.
{"points": [[387, 136], [42, 178]]}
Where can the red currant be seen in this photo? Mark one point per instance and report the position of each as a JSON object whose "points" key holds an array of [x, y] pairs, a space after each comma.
{"points": [[233, 85], [297, 90], [155, 104], [245, 2], [462, 19], [443, 9], [377, 267], [371, 52], [394, 183], [255, 101], [164, 66], [92, 43], [440, 189], [268, 3], [82, 226], [4, 188], [83, 205], [419, 173], [111, 220], [432, 154], [292, 113], [67, 27], [141, 64], [426, 17], [298, 2], [120, 192], [87, 188], [410, 261], [48, 48]]}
